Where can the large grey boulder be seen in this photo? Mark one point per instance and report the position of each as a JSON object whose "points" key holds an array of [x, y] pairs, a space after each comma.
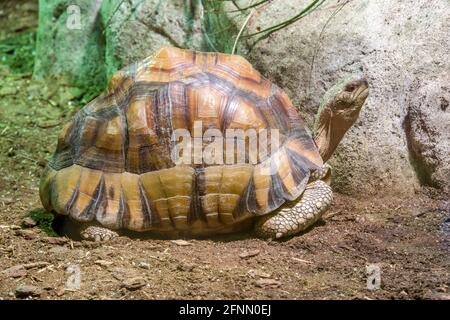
{"points": [[427, 129], [402, 138]]}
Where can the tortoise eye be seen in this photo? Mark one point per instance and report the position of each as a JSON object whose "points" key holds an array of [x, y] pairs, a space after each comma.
{"points": [[350, 87]]}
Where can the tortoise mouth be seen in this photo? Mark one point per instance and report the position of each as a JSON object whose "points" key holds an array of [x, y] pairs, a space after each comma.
{"points": [[362, 92], [359, 89]]}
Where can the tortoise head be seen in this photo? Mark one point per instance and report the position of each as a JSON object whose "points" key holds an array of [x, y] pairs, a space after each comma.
{"points": [[338, 111]]}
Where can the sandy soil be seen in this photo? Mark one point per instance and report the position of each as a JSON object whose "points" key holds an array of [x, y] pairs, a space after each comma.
{"points": [[406, 237]]}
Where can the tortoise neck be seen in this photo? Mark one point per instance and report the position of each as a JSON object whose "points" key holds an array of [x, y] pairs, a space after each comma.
{"points": [[329, 134]]}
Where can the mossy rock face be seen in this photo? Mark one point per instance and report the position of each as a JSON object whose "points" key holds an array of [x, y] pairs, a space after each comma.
{"points": [[86, 41], [70, 43]]}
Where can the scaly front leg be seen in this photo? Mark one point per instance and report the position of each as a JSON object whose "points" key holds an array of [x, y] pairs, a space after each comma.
{"points": [[295, 217]]}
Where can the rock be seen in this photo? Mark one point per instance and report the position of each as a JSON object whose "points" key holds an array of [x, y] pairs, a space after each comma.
{"points": [[5, 91], [267, 283], [437, 296], [28, 222], [38, 264], [401, 139], [134, 283], [258, 273], [249, 254], [443, 288], [123, 273], [144, 265], [181, 242], [104, 263], [301, 260], [17, 271], [184, 266], [27, 234], [60, 292], [6, 200], [427, 133], [24, 291], [59, 250], [55, 240], [49, 124]]}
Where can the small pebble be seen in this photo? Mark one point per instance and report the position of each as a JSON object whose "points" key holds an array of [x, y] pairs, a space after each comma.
{"points": [[301, 260], [38, 264], [134, 283], [55, 240], [103, 263], [27, 234], [267, 283], [15, 271], [6, 200], [144, 265], [59, 250], [181, 242], [24, 291], [60, 292], [249, 254], [258, 273], [186, 267], [28, 222]]}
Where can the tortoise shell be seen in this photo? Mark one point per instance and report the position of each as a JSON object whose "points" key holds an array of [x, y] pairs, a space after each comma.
{"points": [[113, 161]]}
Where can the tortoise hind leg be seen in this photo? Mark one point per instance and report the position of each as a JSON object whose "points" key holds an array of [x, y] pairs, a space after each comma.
{"points": [[96, 233], [66, 226], [293, 218]]}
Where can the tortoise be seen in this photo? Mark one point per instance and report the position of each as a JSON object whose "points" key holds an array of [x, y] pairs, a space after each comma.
{"points": [[114, 172]]}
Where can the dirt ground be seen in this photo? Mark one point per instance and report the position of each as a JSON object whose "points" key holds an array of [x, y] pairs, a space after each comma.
{"points": [[407, 238]]}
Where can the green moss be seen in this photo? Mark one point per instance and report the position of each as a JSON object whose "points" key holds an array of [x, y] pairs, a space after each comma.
{"points": [[219, 32], [109, 38], [44, 220], [189, 13], [18, 52]]}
